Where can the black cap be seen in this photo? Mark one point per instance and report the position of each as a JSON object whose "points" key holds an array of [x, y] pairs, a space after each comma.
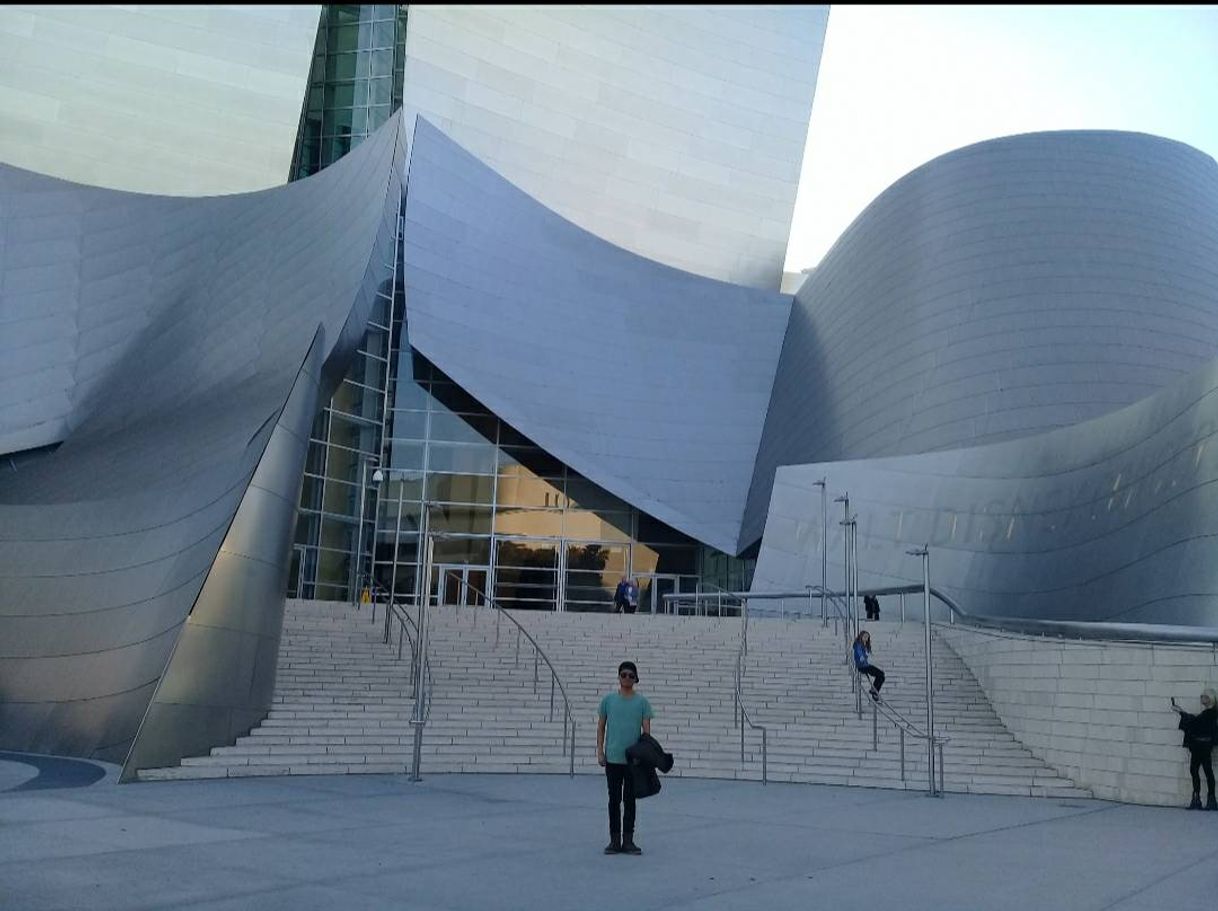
{"points": [[628, 666]]}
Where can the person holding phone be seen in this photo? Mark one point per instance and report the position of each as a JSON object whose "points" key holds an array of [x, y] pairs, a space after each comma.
{"points": [[1200, 731]]}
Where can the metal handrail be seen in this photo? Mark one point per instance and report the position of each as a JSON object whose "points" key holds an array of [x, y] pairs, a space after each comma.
{"points": [[568, 715], [1076, 629], [398, 610], [741, 715], [904, 726]]}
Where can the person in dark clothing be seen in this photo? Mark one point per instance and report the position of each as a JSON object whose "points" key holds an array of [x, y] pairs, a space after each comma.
{"points": [[1200, 731], [621, 718], [871, 604], [862, 662]]}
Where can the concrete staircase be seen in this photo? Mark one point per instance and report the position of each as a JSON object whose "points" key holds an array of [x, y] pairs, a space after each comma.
{"points": [[343, 702]]}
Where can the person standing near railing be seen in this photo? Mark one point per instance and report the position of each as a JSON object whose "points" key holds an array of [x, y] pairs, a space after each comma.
{"points": [[621, 718], [1200, 731], [862, 662]]}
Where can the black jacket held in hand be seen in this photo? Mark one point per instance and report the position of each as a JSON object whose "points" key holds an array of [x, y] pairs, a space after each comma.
{"points": [[644, 757], [1200, 731]]}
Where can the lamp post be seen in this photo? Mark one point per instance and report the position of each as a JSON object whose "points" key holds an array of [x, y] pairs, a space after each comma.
{"points": [[844, 499], [824, 547], [357, 559], [924, 553]]}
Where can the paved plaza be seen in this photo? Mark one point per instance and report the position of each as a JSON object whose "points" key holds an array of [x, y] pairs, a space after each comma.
{"points": [[70, 838]]}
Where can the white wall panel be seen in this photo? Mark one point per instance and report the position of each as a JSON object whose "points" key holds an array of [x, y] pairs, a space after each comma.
{"points": [[185, 100], [653, 107]]}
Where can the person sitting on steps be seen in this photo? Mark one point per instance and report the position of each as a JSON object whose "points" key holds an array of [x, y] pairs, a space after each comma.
{"points": [[862, 662]]}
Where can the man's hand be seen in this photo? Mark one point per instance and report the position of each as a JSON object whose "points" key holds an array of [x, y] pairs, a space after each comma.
{"points": [[600, 758]]}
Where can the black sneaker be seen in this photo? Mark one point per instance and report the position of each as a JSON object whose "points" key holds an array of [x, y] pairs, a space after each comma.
{"points": [[629, 847], [1196, 804], [1212, 803], [613, 848]]}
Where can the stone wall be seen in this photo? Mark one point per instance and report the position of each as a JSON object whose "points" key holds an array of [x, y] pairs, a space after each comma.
{"points": [[1098, 712]]}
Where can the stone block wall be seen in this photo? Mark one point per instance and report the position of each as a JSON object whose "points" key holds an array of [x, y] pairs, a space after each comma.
{"points": [[1098, 712]]}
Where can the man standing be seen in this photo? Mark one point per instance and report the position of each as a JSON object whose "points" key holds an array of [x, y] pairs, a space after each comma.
{"points": [[621, 718]]}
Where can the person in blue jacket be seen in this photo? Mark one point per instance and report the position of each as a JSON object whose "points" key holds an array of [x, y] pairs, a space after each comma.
{"points": [[862, 661]]}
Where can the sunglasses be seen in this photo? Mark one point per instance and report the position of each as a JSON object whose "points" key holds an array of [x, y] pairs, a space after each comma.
{"points": [[627, 675]]}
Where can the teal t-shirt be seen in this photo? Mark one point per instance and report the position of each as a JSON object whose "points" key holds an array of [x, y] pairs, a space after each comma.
{"points": [[623, 723]]}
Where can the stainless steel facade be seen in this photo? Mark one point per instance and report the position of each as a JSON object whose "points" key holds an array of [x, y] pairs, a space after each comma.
{"points": [[1001, 290], [963, 364], [650, 381], [173, 353], [1112, 519]]}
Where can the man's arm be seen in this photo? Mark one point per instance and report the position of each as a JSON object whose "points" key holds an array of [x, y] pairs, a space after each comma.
{"points": [[600, 739], [647, 726]]}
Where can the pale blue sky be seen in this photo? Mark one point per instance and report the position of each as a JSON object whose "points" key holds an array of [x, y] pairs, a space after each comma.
{"points": [[900, 85]]}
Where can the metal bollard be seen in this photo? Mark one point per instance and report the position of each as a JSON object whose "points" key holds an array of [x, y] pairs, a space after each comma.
{"points": [[875, 727], [940, 768]]}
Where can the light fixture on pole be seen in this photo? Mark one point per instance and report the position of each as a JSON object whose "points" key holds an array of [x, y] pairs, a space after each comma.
{"points": [[924, 553], [355, 575], [824, 547]]}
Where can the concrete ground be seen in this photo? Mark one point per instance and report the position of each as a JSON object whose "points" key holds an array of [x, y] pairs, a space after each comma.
{"points": [[71, 840]]}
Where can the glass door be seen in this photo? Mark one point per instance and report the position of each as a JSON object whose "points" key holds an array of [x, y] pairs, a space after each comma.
{"points": [[591, 571], [526, 573], [458, 585]]}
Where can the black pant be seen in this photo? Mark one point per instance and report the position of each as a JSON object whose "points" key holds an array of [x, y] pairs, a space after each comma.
{"points": [[1201, 759], [875, 674], [621, 788]]}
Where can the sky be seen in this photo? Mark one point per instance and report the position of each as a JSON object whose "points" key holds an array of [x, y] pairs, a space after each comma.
{"points": [[900, 85]]}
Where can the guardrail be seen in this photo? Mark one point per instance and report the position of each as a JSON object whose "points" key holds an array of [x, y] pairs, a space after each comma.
{"points": [[538, 654]]}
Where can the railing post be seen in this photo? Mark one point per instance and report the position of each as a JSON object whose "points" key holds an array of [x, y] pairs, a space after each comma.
{"points": [[824, 547], [902, 607], [924, 553], [764, 769], [420, 698], [875, 727], [902, 732], [535, 670], [940, 768], [552, 679], [571, 768]]}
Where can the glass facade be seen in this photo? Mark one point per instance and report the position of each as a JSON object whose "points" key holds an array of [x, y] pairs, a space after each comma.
{"points": [[508, 518], [355, 83], [511, 519]]}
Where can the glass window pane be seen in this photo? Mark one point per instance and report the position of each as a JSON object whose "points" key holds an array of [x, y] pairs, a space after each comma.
{"points": [[382, 34], [528, 460], [339, 96], [310, 493], [538, 554], [462, 428], [543, 523], [527, 490], [464, 459], [585, 525], [352, 433], [407, 456], [332, 568], [408, 425], [340, 67], [382, 63], [380, 91], [582, 492], [475, 520], [470, 551], [461, 488]]}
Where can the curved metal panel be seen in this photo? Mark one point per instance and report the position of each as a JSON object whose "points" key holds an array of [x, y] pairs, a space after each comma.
{"points": [[193, 339], [999, 291], [675, 132], [650, 381], [1113, 519]]}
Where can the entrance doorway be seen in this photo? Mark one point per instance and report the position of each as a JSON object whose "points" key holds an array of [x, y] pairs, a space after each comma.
{"points": [[654, 586], [458, 585]]}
